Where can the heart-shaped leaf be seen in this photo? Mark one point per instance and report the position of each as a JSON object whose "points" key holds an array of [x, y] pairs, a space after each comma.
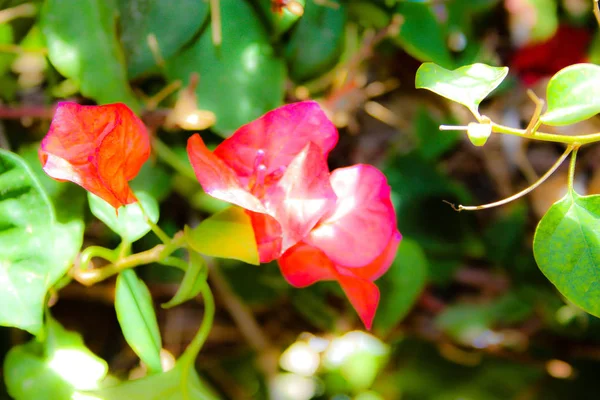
{"points": [[130, 223], [467, 85], [573, 95], [228, 234], [36, 249], [566, 248], [193, 281], [135, 312]]}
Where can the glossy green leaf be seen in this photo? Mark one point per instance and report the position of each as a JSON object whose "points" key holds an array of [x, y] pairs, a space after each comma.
{"points": [[401, 285], [130, 223], [193, 281], [317, 41], [421, 34], [228, 234], [179, 383], [172, 26], [467, 85], [573, 95], [135, 312], [240, 80], [83, 45], [36, 249], [566, 248], [54, 369]]}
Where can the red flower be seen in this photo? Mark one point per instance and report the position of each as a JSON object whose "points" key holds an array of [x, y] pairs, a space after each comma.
{"points": [[274, 167], [100, 148], [355, 243]]}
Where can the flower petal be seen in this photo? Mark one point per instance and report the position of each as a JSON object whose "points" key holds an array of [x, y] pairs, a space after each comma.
{"points": [[217, 179], [363, 221], [100, 148], [281, 134], [302, 196], [268, 235], [382, 263], [363, 295], [303, 265]]}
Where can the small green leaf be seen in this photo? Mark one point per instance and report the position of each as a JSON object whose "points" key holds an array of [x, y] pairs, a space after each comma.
{"points": [[93, 60], [467, 85], [401, 285], [193, 281], [58, 367], [573, 95], [36, 249], [179, 383], [172, 27], [239, 80], [566, 248], [317, 41], [135, 312], [130, 223], [479, 133], [422, 36], [228, 234]]}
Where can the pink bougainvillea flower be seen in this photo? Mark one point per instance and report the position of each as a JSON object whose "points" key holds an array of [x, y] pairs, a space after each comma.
{"points": [[274, 167], [354, 244], [100, 148]]}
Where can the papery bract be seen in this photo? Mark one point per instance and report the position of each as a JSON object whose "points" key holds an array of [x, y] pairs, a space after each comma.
{"points": [[354, 244], [274, 167], [100, 148]]}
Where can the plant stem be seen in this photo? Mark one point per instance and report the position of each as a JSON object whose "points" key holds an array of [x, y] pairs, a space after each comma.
{"points": [[572, 169], [196, 344], [156, 254], [522, 192], [547, 137], [155, 228], [96, 251]]}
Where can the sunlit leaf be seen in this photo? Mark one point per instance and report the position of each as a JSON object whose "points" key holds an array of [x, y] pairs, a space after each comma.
{"points": [[130, 223], [573, 95], [58, 367], [401, 285], [239, 80], [36, 249], [135, 312], [99, 70], [193, 281], [566, 246], [140, 18], [228, 234], [467, 85]]}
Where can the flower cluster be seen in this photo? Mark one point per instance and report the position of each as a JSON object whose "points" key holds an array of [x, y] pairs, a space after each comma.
{"points": [[318, 225]]}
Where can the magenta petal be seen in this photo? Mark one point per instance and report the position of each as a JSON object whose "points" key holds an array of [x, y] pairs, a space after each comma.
{"points": [[302, 196], [217, 179], [363, 221], [303, 265], [267, 232], [363, 295], [281, 134]]}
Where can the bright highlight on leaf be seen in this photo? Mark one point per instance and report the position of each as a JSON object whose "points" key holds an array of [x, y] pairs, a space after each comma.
{"points": [[573, 95], [100, 148], [467, 85]]}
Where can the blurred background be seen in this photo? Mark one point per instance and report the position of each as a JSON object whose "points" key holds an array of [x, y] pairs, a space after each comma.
{"points": [[465, 313]]}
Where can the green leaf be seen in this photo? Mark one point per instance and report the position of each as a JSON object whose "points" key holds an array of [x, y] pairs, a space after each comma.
{"points": [[433, 143], [172, 26], [317, 41], [58, 367], [135, 312], [240, 80], [36, 249], [228, 234], [401, 285], [193, 281], [279, 22], [6, 37], [153, 179], [130, 223], [180, 383], [573, 95], [467, 85], [421, 34], [82, 45], [566, 248]]}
